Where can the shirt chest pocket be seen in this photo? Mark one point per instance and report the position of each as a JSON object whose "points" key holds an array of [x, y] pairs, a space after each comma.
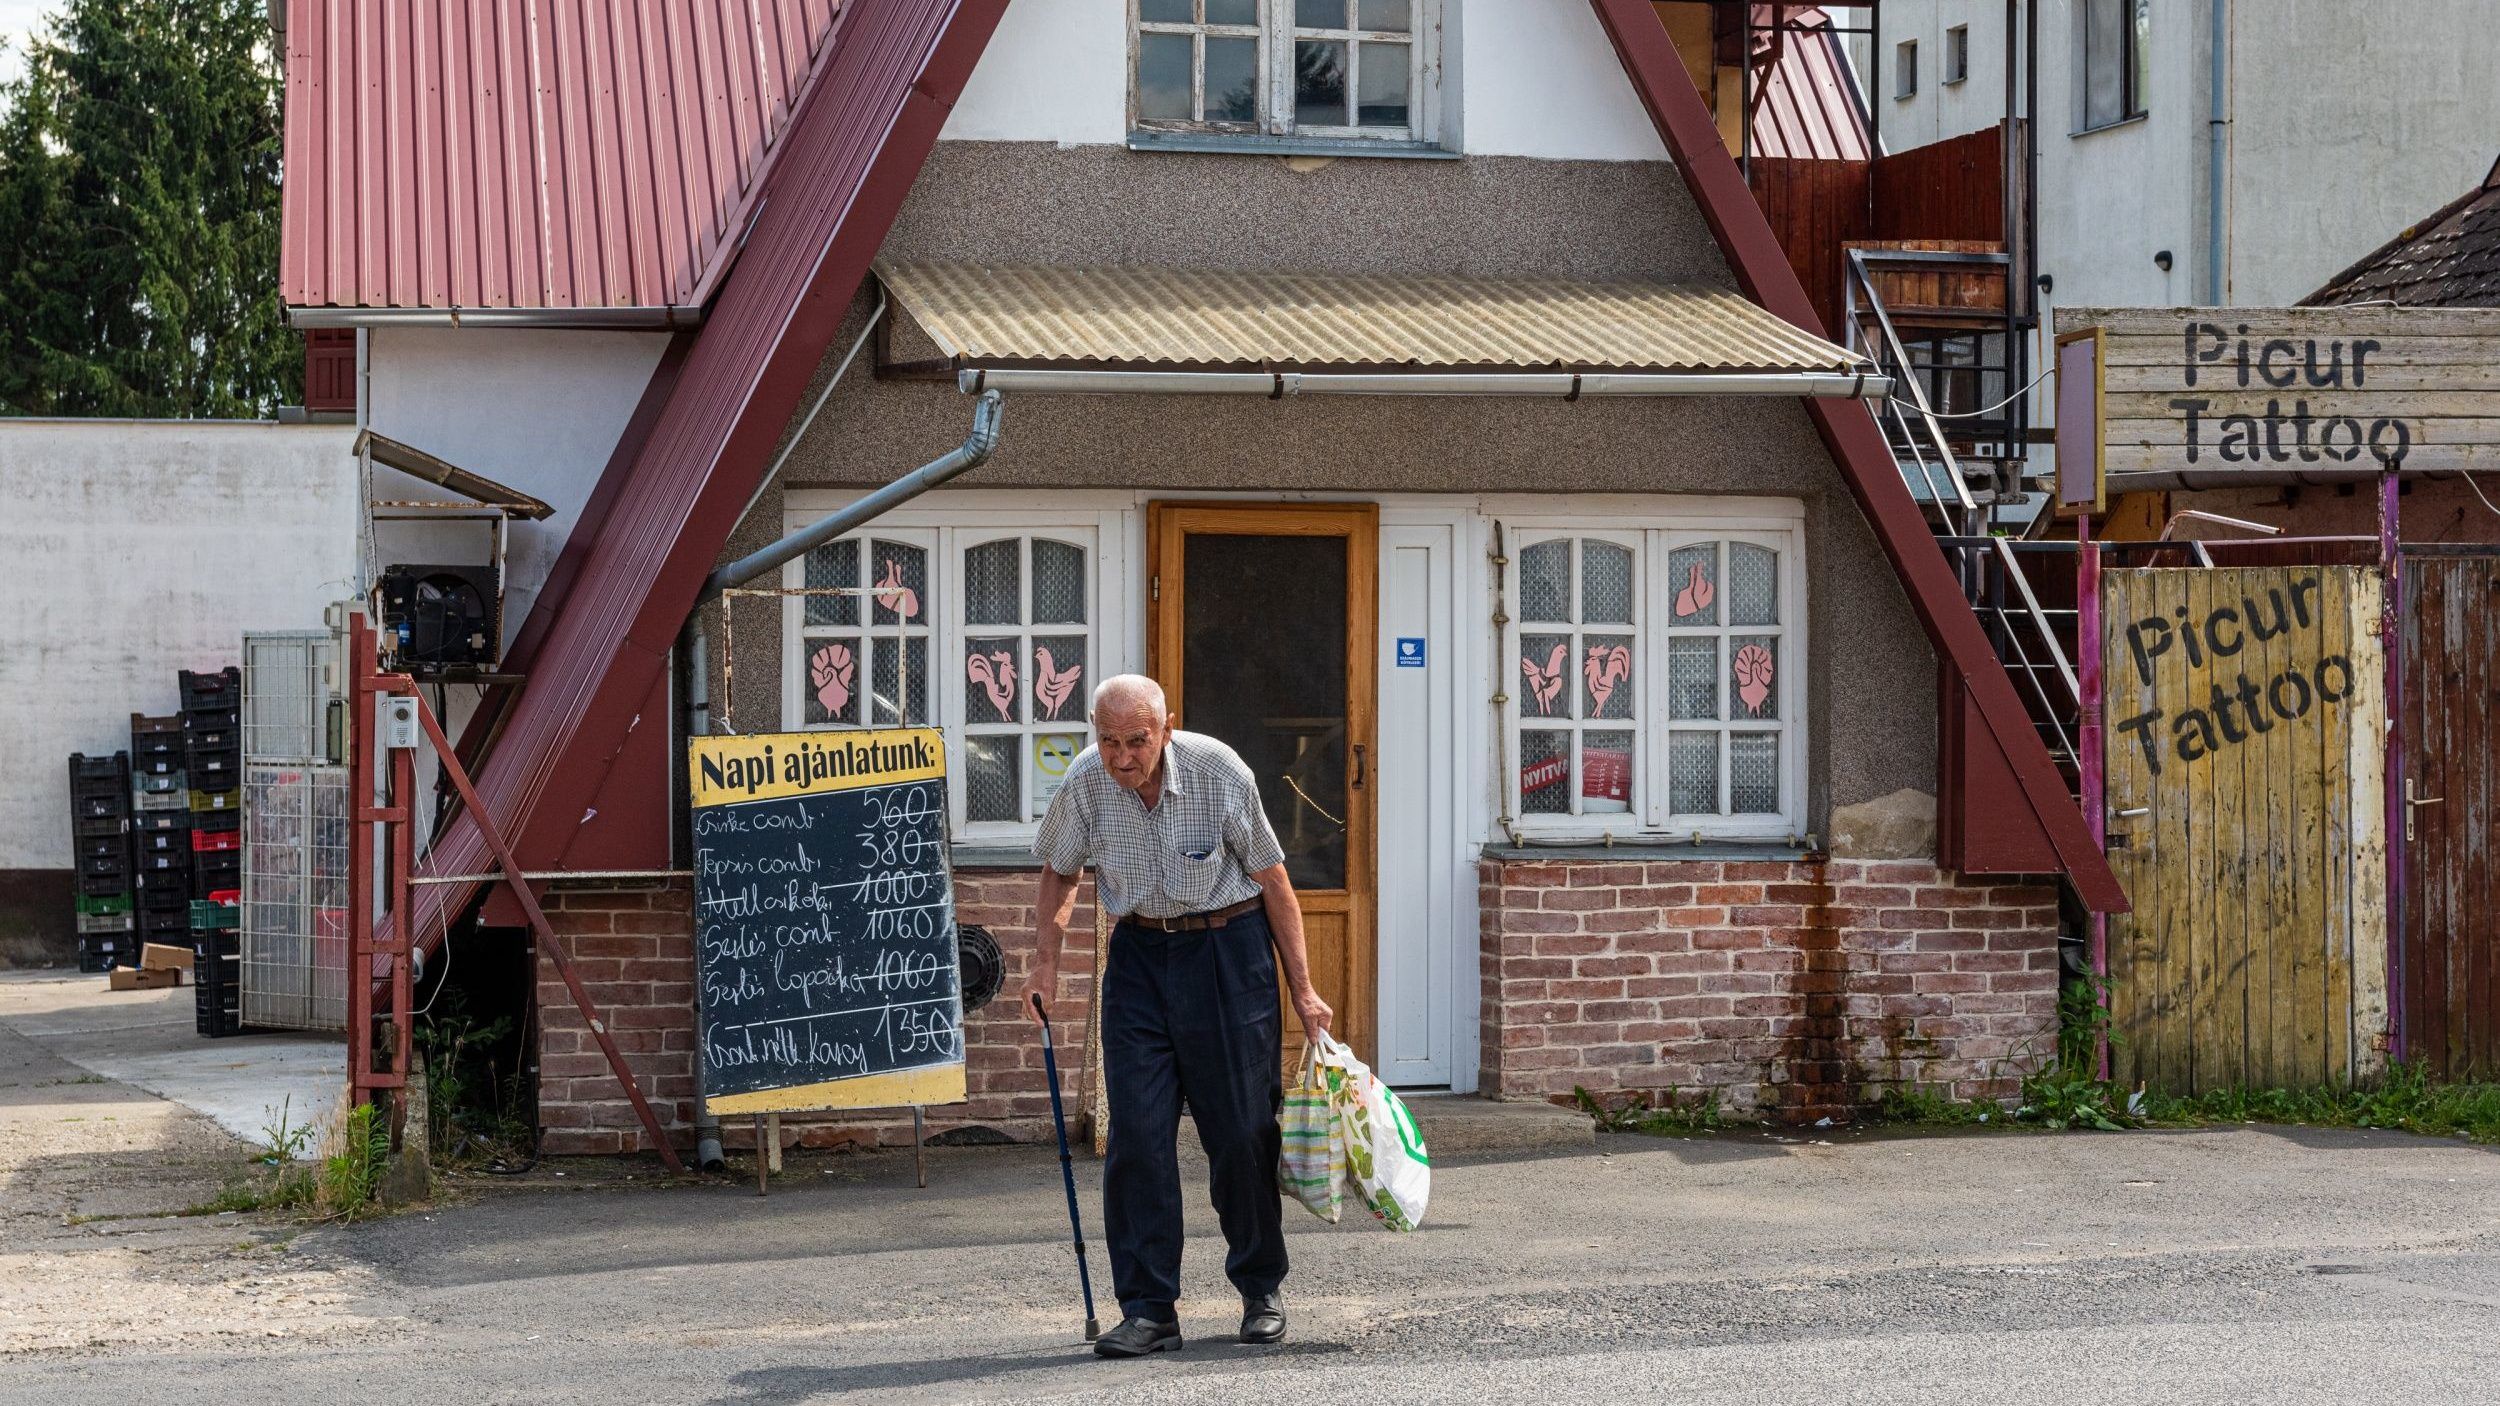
{"points": [[1194, 861]]}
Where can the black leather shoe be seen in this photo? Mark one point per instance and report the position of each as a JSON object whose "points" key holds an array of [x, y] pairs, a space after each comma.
{"points": [[1135, 1337], [1263, 1319]]}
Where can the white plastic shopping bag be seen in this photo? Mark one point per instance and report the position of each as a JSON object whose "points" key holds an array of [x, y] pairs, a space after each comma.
{"points": [[1384, 1154], [1311, 1166]]}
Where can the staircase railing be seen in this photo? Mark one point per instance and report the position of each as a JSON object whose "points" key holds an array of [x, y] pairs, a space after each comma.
{"points": [[2031, 639], [1909, 421]]}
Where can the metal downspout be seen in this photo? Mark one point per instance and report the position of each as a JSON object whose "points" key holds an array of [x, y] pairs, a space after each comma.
{"points": [[694, 641], [2217, 129]]}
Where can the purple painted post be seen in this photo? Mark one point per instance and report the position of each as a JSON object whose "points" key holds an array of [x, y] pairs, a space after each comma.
{"points": [[2092, 780], [2392, 586]]}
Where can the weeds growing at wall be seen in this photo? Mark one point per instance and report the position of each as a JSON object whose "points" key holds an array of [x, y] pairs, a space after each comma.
{"points": [[476, 1107], [2405, 1099], [1664, 1114], [351, 1172]]}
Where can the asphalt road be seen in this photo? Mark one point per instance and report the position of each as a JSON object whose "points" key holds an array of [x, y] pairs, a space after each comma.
{"points": [[2236, 1266]]}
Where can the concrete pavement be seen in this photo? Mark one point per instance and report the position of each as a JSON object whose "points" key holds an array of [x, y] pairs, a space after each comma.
{"points": [[2240, 1265]]}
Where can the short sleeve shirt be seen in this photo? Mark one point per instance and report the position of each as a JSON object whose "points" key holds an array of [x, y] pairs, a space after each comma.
{"points": [[1193, 853]]}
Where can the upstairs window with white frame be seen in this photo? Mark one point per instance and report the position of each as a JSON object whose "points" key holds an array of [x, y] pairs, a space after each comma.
{"points": [[989, 632], [1319, 71], [1656, 683]]}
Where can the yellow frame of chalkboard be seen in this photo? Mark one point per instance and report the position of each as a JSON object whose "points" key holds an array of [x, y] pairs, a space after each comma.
{"points": [[901, 1088]]}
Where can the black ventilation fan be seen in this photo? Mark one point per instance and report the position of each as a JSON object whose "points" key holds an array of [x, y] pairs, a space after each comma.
{"points": [[441, 616], [984, 966]]}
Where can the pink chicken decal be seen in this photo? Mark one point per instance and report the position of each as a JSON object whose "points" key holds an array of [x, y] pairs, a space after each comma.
{"points": [[893, 595], [1606, 666], [1545, 683], [829, 672], [1696, 595], [1051, 685], [1753, 668], [996, 673]]}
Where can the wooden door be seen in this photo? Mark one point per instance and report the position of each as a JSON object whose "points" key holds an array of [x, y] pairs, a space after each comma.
{"points": [[1261, 630], [2448, 965], [2245, 713]]}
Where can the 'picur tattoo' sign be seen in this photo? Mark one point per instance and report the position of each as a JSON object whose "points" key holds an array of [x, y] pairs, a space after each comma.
{"points": [[2209, 676], [2200, 397]]}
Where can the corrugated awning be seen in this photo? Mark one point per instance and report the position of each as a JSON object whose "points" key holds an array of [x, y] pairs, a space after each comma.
{"points": [[1004, 316]]}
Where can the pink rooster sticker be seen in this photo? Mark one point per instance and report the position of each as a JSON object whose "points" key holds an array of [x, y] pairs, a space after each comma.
{"points": [[1605, 667], [1753, 668], [829, 672], [1052, 686], [996, 673], [1545, 683]]}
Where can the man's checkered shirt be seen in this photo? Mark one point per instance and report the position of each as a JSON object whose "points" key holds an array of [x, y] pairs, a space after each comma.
{"points": [[1193, 853]]}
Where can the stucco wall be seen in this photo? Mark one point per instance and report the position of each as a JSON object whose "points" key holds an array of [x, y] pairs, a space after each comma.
{"points": [[133, 549], [1872, 673]]}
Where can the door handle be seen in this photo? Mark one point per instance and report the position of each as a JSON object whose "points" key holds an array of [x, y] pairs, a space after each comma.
{"points": [[2412, 800], [1358, 766]]}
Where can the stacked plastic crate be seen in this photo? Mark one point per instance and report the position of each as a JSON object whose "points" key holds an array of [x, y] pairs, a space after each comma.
{"points": [[212, 722], [99, 801], [160, 830]]}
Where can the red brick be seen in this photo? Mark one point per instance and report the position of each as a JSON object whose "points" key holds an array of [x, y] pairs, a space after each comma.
{"points": [[1578, 900], [1727, 893], [1585, 876]]}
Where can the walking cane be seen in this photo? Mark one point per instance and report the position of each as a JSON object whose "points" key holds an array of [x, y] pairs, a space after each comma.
{"points": [[1067, 1169]]}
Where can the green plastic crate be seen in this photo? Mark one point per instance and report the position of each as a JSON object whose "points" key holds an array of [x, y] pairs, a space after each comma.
{"points": [[90, 904], [213, 917]]}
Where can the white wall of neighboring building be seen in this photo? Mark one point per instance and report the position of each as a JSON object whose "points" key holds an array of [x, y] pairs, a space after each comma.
{"points": [[538, 410], [2345, 124], [1530, 78], [136, 548]]}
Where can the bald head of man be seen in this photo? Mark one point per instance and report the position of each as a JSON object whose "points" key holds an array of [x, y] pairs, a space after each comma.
{"points": [[1132, 721]]}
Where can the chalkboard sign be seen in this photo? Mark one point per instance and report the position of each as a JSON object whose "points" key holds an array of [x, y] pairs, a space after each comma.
{"points": [[825, 921]]}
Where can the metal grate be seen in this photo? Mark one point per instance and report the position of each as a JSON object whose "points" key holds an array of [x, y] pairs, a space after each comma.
{"points": [[295, 844], [290, 678]]}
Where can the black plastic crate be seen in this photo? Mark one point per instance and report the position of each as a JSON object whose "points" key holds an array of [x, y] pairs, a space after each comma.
{"points": [[213, 720], [215, 821], [144, 745], [216, 771], [89, 827], [101, 885], [111, 845], [158, 764], [221, 690], [216, 870], [96, 954], [145, 725], [101, 767], [166, 841], [152, 821], [221, 944], [167, 889], [101, 807], [211, 739]]}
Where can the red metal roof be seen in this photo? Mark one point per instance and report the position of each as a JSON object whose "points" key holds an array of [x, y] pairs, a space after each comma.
{"points": [[863, 129], [2006, 807], [1808, 106], [582, 157]]}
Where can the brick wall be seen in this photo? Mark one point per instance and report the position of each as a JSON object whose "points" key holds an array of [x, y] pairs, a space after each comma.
{"points": [[634, 952], [1796, 989]]}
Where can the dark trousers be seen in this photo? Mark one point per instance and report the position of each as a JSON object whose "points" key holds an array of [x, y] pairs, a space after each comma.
{"points": [[1191, 1015]]}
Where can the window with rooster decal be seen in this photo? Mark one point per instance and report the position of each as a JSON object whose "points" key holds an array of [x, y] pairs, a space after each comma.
{"points": [[988, 633], [1651, 687]]}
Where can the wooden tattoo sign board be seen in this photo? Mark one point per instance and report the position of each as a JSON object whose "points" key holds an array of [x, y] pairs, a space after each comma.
{"points": [[825, 964]]}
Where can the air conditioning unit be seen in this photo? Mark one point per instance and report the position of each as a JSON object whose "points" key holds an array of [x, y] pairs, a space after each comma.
{"points": [[441, 617]]}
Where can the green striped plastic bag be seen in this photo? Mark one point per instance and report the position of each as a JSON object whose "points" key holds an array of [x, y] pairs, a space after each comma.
{"points": [[1311, 1167], [1384, 1153]]}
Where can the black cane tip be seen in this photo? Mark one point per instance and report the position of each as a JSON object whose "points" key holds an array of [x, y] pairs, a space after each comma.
{"points": [[1093, 1330]]}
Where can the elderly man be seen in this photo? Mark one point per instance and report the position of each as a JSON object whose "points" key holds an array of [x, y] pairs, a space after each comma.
{"points": [[1184, 856]]}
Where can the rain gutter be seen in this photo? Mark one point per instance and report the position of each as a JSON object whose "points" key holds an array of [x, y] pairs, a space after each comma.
{"points": [[1562, 385]]}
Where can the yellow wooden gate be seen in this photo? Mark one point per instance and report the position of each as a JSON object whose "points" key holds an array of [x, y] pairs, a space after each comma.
{"points": [[2246, 763]]}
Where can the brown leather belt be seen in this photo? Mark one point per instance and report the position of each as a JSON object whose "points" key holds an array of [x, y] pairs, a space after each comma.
{"points": [[1196, 922]]}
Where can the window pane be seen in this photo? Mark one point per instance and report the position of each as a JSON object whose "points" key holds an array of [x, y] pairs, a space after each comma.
{"points": [[991, 789], [2104, 74], [1058, 583], [1232, 11], [1753, 676], [1753, 773], [832, 565], [1606, 676], [1753, 585], [1693, 573], [1605, 772], [1693, 678], [1545, 582], [1544, 772], [832, 681], [1059, 678], [1163, 78], [901, 579], [1053, 753], [1319, 83], [1319, 14], [1693, 773], [901, 681], [2139, 77], [1168, 11], [990, 677], [1381, 96], [1544, 676], [1384, 14], [1232, 80], [994, 583], [1605, 584]]}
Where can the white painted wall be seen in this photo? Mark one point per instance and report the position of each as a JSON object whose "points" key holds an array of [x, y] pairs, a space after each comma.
{"points": [[136, 548], [1520, 77], [538, 410], [2347, 123]]}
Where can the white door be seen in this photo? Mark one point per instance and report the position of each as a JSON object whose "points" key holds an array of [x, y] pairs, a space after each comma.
{"points": [[1418, 765]]}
